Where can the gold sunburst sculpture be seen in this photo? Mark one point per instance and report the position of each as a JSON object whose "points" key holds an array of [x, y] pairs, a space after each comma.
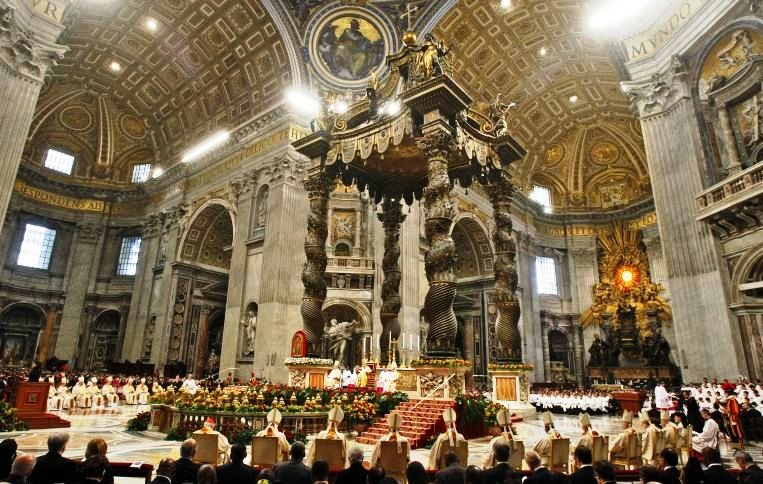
{"points": [[625, 283]]}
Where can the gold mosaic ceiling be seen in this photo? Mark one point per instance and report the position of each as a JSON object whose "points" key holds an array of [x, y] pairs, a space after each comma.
{"points": [[208, 63]]}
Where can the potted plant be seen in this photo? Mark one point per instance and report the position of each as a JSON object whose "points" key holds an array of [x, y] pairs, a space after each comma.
{"points": [[360, 414]]}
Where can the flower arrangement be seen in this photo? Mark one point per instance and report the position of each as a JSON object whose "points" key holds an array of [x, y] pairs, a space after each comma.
{"points": [[139, 422], [360, 412], [510, 366], [441, 363], [471, 406], [8, 420], [306, 361]]}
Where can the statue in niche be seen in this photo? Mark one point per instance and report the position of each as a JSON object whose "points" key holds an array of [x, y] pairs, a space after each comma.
{"points": [[656, 350], [249, 322], [262, 209], [597, 352], [339, 334], [213, 362]]}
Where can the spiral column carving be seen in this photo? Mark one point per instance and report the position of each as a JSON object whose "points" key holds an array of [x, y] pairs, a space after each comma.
{"points": [[391, 217], [441, 256], [500, 191], [319, 189]]}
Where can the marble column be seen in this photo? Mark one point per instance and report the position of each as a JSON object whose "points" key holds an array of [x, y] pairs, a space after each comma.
{"points": [[140, 302], [202, 339], [584, 275], [124, 313], [698, 284], [47, 332], [319, 188], [83, 255], [659, 275], [437, 145], [577, 347], [499, 192], [162, 303], [282, 257], [241, 193], [410, 296], [391, 218], [27, 52], [532, 331]]}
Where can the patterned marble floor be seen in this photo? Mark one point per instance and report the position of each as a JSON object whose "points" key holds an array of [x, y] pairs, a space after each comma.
{"points": [[151, 447]]}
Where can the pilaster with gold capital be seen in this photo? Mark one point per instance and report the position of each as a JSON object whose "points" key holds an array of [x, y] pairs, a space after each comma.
{"points": [[661, 92]]}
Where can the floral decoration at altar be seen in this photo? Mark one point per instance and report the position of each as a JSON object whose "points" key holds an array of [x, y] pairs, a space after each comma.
{"points": [[441, 363]]}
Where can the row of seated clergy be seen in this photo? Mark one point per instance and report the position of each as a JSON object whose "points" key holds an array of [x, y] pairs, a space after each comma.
{"points": [[212, 447], [450, 440], [507, 437], [392, 451], [330, 445], [592, 440], [631, 449], [554, 448], [135, 395]]}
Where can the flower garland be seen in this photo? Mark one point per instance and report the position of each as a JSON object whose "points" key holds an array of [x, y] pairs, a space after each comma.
{"points": [[308, 361], [510, 366], [441, 363]]}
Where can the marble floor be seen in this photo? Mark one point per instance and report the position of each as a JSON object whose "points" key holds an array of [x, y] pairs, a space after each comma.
{"points": [[150, 447]]}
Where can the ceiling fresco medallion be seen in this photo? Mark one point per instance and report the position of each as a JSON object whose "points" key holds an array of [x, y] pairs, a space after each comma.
{"points": [[348, 45], [554, 154], [605, 153], [133, 127], [76, 118]]}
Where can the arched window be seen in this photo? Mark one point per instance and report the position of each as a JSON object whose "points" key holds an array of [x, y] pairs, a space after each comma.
{"points": [[342, 249], [559, 348], [542, 196]]}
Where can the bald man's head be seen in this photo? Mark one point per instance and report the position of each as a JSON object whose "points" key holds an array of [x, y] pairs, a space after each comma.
{"points": [[22, 466]]}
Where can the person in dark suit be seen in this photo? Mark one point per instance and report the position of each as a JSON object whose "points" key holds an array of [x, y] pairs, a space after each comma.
{"points": [[749, 472], [501, 472], [356, 472], [604, 472], [649, 474], [21, 469], [294, 471], [53, 466], [36, 372], [474, 475], [540, 474], [692, 410], [584, 466], [453, 472], [236, 472], [186, 470], [164, 471], [715, 473], [669, 474]]}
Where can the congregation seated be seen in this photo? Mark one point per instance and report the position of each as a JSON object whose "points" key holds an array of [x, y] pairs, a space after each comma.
{"points": [[164, 471], [453, 472], [355, 472], [416, 474], [186, 469], [501, 472], [451, 439], [96, 451], [53, 466], [583, 462], [714, 472], [571, 402], [320, 472], [293, 471], [236, 471], [21, 469], [8, 449], [669, 473], [206, 475]]}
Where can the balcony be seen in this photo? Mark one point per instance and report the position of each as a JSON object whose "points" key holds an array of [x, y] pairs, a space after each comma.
{"points": [[734, 206]]}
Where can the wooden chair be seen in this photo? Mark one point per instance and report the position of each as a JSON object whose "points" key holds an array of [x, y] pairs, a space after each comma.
{"points": [[560, 455], [394, 463], [207, 450], [632, 459], [330, 450], [265, 451], [684, 447], [600, 448], [517, 455], [462, 452]]}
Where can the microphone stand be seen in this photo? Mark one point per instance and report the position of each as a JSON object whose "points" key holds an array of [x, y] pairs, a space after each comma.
{"points": [[217, 374]]}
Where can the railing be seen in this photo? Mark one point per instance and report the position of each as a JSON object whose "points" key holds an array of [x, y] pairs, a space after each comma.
{"points": [[430, 395], [734, 189], [350, 263]]}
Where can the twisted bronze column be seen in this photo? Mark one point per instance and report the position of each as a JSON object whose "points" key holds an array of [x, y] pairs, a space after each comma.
{"points": [[500, 191], [391, 217], [441, 256], [319, 189]]}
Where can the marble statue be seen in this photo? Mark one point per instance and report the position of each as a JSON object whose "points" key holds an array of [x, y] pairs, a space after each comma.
{"points": [[249, 322], [339, 334]]}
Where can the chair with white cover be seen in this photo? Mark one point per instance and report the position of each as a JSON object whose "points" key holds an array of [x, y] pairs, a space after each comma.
{"points": [[265, 451], [207, 449], [560, 455], [632, 459], [393, 462], [461, 451], [600, 448], [331, 451]]}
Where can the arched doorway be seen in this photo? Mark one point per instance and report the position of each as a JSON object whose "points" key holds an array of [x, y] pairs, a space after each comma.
{"points": [[344, 313], [102, 341], [559, 348], [20, 327]]}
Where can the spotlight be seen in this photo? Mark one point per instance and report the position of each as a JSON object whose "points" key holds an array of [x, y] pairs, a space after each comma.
{"points": [[627, 276], [574, 99], [152, 24], [205, 146], [303, 102], [157, 172], [505, 4], [340, 107], [542, 52], [115, 66], [391, 108], [609, 17]]}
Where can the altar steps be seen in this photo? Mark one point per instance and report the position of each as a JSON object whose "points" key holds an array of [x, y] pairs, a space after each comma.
{"points": [[37, 421], [419, 424]]}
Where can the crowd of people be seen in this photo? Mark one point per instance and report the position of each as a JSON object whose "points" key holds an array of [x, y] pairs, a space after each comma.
{"points": [[571, 401]]}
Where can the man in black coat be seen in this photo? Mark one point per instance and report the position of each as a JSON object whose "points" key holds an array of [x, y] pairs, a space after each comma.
{"points": [[356, 472], [164, 471], [715, 473], [584, 465], [53, 466], [692, 411], [540, 474], [669, 462], [237, 472], [453, 472], [749, 473], [186, 470], [21, 469], [294, 471], [501, 472], [604, 472]]}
